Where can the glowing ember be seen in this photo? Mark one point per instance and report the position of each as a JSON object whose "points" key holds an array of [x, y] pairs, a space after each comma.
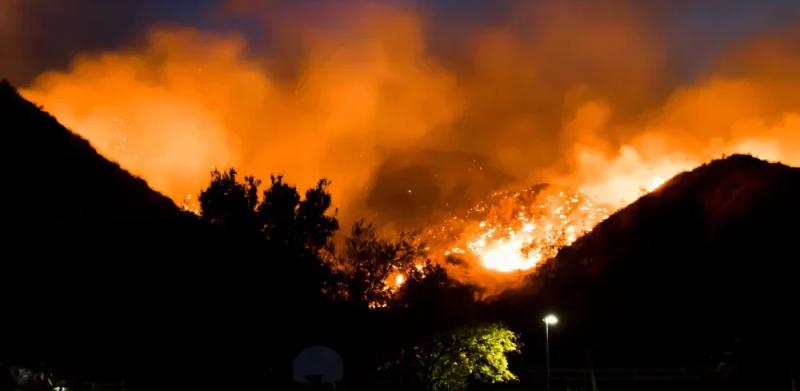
{"points": [[516, 231]]}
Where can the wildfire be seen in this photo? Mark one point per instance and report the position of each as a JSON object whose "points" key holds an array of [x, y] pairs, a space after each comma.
{"points": [[604, 118], [190, 205], [655, 183], [517, 231]]}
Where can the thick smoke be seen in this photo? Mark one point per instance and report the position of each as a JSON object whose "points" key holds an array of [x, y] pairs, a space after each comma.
{"points": [[185, 102], [409, 125]]}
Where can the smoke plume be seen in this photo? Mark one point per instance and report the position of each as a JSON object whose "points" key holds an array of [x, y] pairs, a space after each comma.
{"points": [[412, 116]]}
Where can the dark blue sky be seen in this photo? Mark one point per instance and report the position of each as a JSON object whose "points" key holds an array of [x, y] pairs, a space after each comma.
{"points": [[50, 32]]}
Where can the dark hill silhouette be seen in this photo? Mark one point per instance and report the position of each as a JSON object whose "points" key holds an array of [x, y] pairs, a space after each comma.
{"points": [[701, 273], [105, 279], [102, 275], [57, 177]]}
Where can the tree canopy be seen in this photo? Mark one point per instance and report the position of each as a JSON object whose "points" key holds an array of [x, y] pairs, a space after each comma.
{"points": [[373, 268], [471, 354]]}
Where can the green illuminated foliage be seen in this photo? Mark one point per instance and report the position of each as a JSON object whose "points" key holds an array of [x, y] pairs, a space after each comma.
{"points": [[471, 354]]}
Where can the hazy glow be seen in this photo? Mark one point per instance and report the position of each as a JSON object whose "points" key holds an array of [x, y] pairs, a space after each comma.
{"points": [[583, 100], [506, 255], [656, 183], [550, 320]]}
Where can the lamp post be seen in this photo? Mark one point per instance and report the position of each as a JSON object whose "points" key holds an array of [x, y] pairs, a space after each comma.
{"points": [[548, 321]]}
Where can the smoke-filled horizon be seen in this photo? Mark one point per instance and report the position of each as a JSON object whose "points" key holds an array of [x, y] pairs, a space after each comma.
{"points": [[414, 110]]}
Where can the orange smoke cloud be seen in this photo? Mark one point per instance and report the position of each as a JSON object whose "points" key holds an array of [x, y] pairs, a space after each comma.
{"points": [[751, 111], [576, 94], [186, 102]]}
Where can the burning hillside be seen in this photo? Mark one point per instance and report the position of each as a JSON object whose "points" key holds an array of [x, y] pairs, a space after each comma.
{"points": [[405, 129], [506, 236], [397, 171], [579, 97], [693, 264]]}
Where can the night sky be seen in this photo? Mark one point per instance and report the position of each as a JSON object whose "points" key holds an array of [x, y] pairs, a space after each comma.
{"points": [[45, 34]]}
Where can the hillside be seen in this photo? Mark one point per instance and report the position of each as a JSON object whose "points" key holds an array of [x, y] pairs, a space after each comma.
{"points": [[108, 279], [99, 269], [60, 178], [699, 274]]}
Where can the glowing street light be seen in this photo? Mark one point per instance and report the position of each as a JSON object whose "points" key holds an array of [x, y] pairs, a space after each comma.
{"points": [[549, 320]]}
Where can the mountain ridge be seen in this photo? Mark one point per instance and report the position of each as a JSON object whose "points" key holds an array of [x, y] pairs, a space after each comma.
{"points": [[690, 274], [51, 140]]}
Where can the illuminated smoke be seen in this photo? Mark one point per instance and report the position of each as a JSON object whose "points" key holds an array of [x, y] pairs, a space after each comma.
{"points": [[186, 102], [577, 94]]}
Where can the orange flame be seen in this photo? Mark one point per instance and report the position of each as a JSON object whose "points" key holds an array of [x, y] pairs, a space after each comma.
{"points": [[514, 232], [584, 100]]}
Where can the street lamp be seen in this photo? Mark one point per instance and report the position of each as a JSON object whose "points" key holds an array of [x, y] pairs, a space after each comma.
{"points": [[548, 321]]}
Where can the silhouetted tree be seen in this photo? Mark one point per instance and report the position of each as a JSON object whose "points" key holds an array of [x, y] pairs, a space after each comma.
{"points": [[372, 268], [434, 302], [289, 221], [230, 203], [434, 288], [314, 227], [277, 212], [293, 231], [282, 217]]}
